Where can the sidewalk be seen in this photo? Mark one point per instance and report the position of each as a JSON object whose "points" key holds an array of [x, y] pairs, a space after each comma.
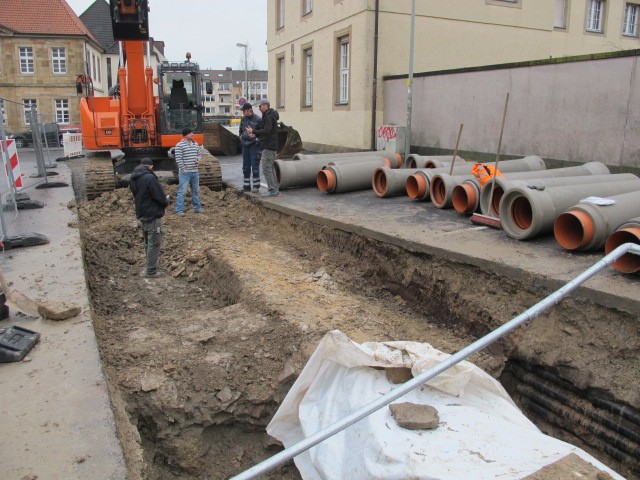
{"points": [[420, 227], [57, 418]]}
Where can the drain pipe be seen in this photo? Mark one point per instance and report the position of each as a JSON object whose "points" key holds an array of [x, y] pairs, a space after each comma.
{"points": [[436, 161], [374, 94], [303, 173], [348, 177], [526, 213], [490, 206], [586, 226], [418, 184], [445, 182], [388, 183], [336, 427], [627, 233], [334, 156]]}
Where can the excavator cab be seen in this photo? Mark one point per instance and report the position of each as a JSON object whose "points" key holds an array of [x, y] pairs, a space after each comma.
{"points": [[180, 97]]}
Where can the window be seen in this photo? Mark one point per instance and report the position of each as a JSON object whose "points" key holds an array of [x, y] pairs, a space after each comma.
{"points": [[630, 20], [265, 85], [595, 11], [27, 103], [308, 76], [307, 7], [208, 110], [26, 60], [279, 14], [560, 20], [58, 60], [109, 77], [280, 79], [343, 61], [62, 111], [225, 87]]}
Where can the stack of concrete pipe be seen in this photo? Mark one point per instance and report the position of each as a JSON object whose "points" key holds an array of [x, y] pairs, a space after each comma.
{"points": [[342, 177], [419, 184], [303, 170], [529, 211], [434, 161], [442, 184], [586, 225], [626, 233], [466, 195]]}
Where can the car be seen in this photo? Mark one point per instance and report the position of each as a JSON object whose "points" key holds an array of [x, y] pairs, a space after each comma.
{"points": [[54, 135]]}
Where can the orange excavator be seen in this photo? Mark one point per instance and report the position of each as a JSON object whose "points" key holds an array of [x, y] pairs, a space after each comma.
{"points": [[133, 120]]}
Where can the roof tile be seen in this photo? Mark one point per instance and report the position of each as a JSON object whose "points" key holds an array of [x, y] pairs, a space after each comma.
{"points": [[48, 17]]}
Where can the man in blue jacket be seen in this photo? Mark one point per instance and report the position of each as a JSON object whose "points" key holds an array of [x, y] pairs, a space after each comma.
{"points": [[267, 134], [151, 203], [250, 152]]}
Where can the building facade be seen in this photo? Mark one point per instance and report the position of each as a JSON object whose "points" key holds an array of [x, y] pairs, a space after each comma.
{"points": [[43, 48], [229, 87], [327, 59]]}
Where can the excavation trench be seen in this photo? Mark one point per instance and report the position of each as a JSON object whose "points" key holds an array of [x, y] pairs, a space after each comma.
{"points": [[198, 362]]}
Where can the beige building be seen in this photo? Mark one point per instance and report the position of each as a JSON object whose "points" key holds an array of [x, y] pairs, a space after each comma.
{"points": [[327, 63], [43, 46]]}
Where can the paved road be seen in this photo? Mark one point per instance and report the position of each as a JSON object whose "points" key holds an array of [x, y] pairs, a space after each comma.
{"points": [[419, 226]]}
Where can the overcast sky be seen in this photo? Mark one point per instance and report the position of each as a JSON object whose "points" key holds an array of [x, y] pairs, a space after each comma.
{"points": [[209, 29]]}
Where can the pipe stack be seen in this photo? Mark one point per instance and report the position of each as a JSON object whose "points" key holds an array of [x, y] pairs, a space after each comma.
{"points": [[419, 184], [489, 206], [526, 212], [627, 233], [434, 161], [586, 225]]}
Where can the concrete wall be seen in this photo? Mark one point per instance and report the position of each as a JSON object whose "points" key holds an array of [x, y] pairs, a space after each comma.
{"points": [[576, 111], [449, 34]]}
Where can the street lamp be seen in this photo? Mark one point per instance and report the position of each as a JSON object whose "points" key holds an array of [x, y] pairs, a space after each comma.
{"points": [[246, 72]]}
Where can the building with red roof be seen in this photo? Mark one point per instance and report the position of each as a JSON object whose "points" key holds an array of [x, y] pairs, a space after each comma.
{"points": [[44, 46]]}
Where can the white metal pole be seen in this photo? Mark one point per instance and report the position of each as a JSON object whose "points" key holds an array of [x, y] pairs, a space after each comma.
{"points": [[407, 136]]}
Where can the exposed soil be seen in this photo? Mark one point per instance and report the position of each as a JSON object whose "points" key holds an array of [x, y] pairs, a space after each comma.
{"points": [[198, 361]]}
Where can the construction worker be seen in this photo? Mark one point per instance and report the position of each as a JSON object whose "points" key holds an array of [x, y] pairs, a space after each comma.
{"points": [[151, 202], [267, 134], [187, 153], [250, 152]]}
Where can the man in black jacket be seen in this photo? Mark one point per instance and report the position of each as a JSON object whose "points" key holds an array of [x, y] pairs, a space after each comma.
{"points": [[267, 133], [151, 202]]}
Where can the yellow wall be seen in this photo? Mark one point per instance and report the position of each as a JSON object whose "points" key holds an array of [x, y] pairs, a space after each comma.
{"points": [[448, 34]]}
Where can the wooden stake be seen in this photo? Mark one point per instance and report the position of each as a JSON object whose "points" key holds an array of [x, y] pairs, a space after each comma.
{"points": [[495, 166], [455, 151]]}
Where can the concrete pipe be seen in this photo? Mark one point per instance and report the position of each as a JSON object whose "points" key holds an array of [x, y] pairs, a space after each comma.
{"points": [[347, 177], [433, 161], [586, 226], [388, 183], [332, 156], [466, 196], [442, 184], [627, 233], [304, 173], [526, 212], [418, 184], [489, 206], [388, 161]]}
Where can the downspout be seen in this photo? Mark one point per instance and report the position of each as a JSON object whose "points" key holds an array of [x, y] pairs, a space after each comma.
{"points": [[374, 96]]}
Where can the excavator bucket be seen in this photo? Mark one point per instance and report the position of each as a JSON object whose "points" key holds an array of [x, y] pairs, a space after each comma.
{"points": [[130, 19], [220, 141], [289, 141]]}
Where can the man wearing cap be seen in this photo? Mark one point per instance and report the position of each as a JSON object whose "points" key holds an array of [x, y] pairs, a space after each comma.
{"points": [[267, 133], [187, 153], [151, 202], [250, 158]]}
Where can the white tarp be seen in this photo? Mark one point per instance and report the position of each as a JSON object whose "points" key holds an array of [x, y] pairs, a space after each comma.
{"points": [[481, 435]]}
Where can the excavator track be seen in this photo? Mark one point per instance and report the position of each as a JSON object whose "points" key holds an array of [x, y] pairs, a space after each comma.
{"points": [[210, 172], [99, 177]]}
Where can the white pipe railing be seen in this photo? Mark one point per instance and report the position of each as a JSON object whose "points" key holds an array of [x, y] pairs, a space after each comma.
{"points": [[290, 452]]}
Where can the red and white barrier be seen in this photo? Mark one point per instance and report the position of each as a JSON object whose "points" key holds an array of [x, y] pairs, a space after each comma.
{"points": [[12, 154]]}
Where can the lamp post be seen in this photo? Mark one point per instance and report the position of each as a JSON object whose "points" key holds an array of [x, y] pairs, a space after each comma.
{"points": [[246, 71]]}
